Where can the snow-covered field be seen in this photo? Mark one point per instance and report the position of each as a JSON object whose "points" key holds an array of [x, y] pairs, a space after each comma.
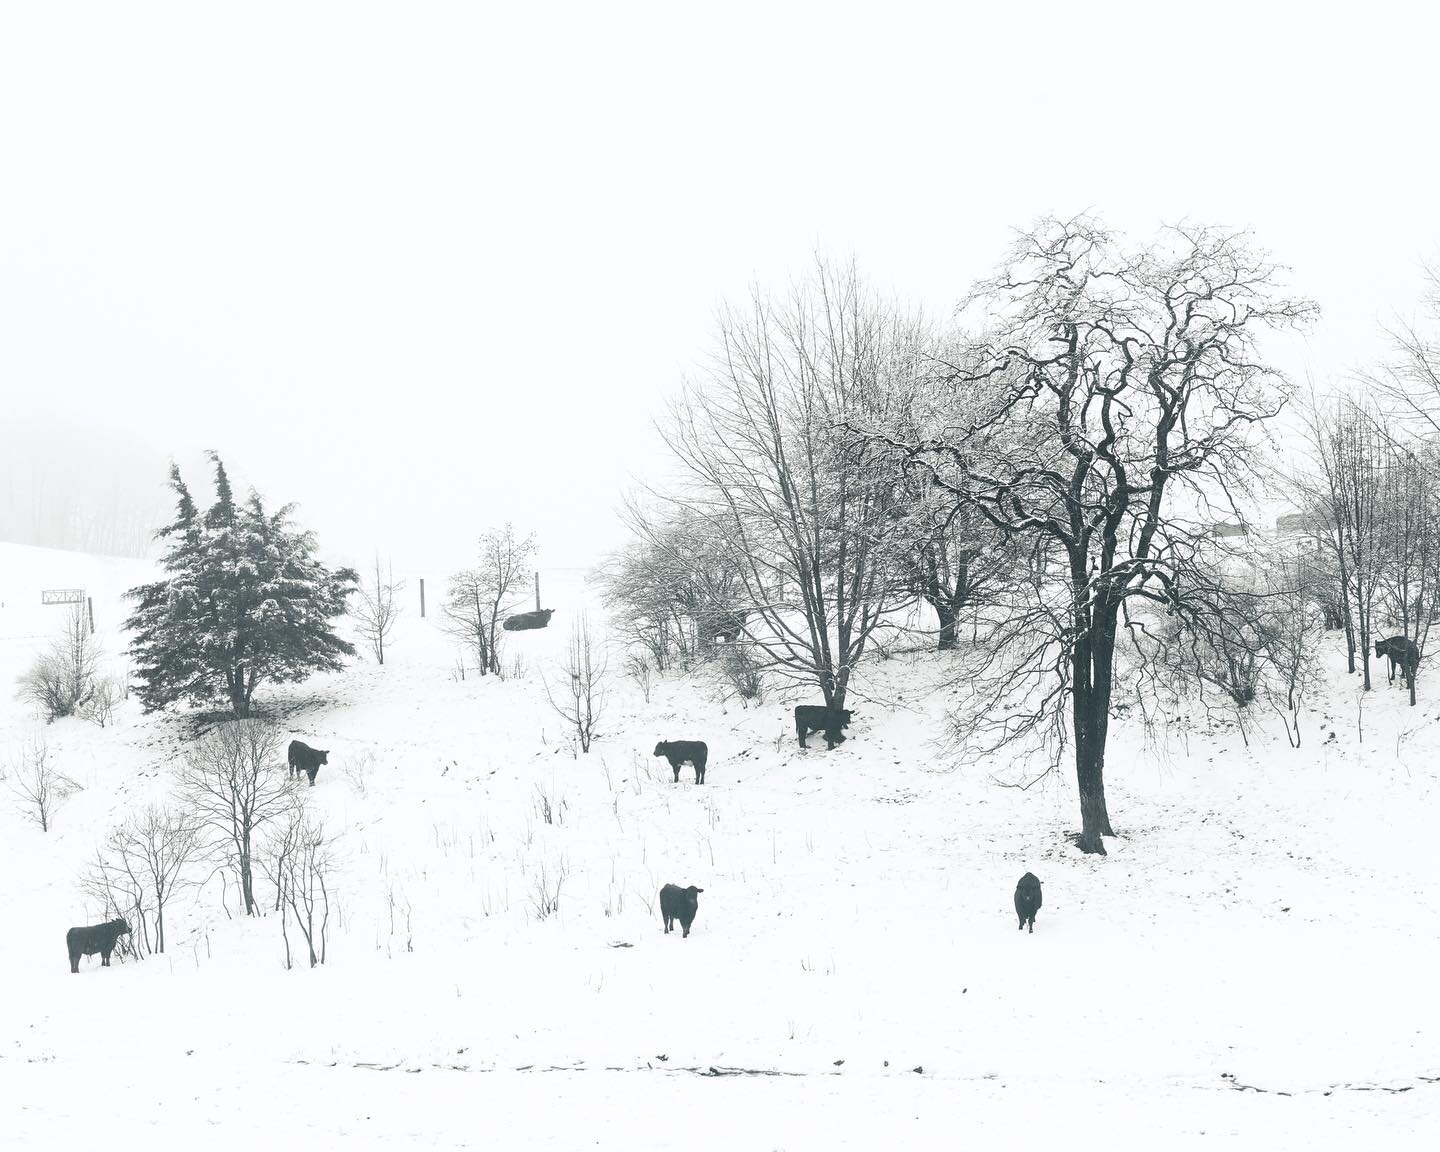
{"points": [[1252, 966]]}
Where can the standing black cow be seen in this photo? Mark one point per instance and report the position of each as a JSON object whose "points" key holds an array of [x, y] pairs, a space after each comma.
{"points": [[1401, 651], [678, 903], [679, 751], [725, 627], [97, 938], [818, 718], [1027, 899], [305, 759]]}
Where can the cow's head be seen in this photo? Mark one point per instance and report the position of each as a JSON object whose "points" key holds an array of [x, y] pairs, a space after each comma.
{"points": [[660, 748], [121, 928], [324, 756]]}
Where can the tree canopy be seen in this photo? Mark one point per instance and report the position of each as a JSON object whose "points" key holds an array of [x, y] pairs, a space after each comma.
{"points": [[244, 602]]}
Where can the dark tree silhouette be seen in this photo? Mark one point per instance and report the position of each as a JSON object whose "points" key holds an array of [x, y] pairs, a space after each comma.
{"points": [[244, 602]]}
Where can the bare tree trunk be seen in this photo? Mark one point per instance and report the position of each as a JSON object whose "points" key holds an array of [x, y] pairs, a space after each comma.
{"points": [[947, 619], [1091, 664]]}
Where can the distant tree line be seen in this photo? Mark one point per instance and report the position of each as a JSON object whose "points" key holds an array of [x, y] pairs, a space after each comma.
{"points": [[63, 485]]}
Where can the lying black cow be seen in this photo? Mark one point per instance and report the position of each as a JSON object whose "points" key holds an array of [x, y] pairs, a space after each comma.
{"points": [[97, 938], [818, 718], [1401, 651], [1027, 899], [305, 759], [678, 903], [524, 621], [679, 751]]}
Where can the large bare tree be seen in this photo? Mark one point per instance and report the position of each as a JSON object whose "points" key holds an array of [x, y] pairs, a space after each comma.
{"points": [[1109, 393], [807, 514]]}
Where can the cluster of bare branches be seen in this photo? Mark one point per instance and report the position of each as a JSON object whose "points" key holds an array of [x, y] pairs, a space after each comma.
{"points": [[299, 858], [674, 587], [579, 699], [142, 864], [791, 529]]}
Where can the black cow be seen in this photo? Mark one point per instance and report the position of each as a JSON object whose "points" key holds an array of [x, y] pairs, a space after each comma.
{"points": [[1027, 899], [305, 759], [818, 718], [679, 751], [678, 903], [525, 621], [97, 938], [725, 627], [1402, 651]]}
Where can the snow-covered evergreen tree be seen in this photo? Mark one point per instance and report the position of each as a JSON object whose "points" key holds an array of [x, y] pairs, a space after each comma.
{"points": [[244, 602]]}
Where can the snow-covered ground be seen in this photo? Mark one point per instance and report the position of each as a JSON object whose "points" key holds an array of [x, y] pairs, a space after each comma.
{"points": [[1252, 966]]}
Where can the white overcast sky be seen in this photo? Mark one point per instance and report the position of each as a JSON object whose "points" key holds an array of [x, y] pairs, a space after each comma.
{"points": [[424, 267]]}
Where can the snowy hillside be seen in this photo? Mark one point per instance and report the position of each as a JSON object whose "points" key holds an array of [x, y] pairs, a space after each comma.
{"points": [[1266, 920]]}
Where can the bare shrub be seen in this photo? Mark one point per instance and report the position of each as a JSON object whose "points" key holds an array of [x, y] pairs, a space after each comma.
{"points": [[1292, 627], [105, 694], [233, 781], [744, 671], [638, 668], [549, 807], [581, 699], [545, 894], [358, 772], [62, 678], [38, 787], [299, 858]]}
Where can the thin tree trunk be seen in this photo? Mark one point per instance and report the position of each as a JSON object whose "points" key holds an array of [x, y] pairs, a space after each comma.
{"points": [[247, 886]]}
